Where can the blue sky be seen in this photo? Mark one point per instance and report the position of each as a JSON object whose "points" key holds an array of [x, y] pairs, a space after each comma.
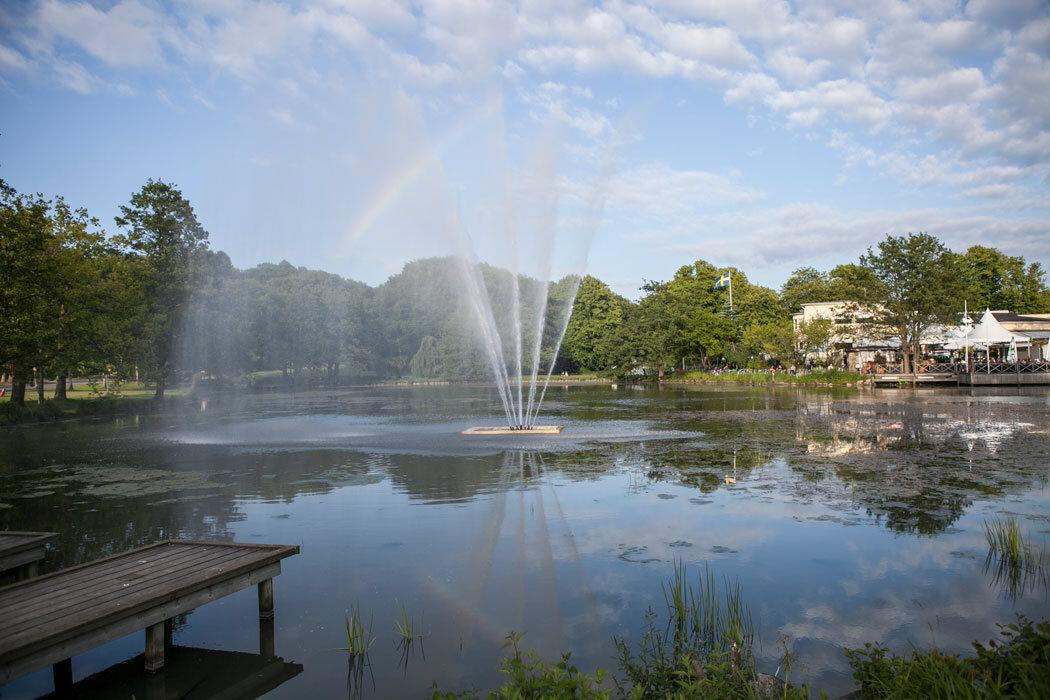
{"points": [[347, 135]]}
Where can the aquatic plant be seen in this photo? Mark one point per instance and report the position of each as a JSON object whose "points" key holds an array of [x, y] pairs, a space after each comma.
{"points": [[1017, 564], [529, 676], [406, 628], [1017, 665], [358, 638], [706, 648]]}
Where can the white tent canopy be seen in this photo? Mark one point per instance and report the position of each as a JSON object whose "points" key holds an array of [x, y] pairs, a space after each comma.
{"points": [[987, 331]]}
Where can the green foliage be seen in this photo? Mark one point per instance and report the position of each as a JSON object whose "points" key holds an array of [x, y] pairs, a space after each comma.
{"points": [[1016, 562], [156, 301], [994, 280], [161, 227], [596, 324], [919, 287], [359, 638], [703, 649], [1017, 665], [822, 377], [529, 676]]}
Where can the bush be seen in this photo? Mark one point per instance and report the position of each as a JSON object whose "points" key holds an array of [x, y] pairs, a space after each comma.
{"points": [[529, 676], [1016, 666]]}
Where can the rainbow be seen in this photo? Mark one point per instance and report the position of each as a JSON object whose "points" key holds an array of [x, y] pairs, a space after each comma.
{"points": [[389, 191]]}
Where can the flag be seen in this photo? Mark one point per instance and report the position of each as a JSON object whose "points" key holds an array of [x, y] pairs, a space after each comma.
{"points": [[725, 280]]}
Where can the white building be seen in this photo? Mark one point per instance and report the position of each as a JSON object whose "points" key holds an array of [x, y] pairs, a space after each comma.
{"points": [[849, 347]]}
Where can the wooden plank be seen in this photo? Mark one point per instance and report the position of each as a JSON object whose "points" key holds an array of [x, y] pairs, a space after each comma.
{"points": [[58, 594], [35, 635], [37, 658], [97, 562], [20, 548], [120, 594], [21, 558], [42, 589], [106, 574]]}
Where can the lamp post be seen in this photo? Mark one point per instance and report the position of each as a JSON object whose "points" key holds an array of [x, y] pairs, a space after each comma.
{"points": [[966, 326]]}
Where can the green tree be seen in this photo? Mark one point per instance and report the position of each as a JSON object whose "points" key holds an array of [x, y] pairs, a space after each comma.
{"points": [[813, 337], [27, 245], [595, 325], [998, 281], [804, 286], [161, 226], [919, 287]]}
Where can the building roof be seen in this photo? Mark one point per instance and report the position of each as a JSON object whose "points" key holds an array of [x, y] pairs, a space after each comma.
{"points": [[1011, 317]]}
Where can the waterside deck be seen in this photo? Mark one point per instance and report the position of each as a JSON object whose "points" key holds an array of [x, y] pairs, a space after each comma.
{"points": [[50, 619], [21, 552]]}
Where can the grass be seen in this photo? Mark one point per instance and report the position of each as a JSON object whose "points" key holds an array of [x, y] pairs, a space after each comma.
{"points": [[1016, 562], [1005, 539], [1016, 665], [703, 647], [359, 639], [407, 629], [131, 397], [816, 378]]}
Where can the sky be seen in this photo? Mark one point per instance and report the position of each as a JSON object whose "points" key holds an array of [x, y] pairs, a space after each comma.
{"points": [[355, 135]]}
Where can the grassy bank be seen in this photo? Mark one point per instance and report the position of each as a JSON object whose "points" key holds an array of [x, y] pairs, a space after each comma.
{"points": [[702, 646], [83, 402], [583, 378], [817, 378]]}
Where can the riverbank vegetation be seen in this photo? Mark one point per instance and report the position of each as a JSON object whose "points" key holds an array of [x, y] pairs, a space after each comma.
{"points": [[814, 378], [151, 301], [702, 645]]}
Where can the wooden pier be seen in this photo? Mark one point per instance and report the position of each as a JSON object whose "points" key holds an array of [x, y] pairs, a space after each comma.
{"points": [[50, 619], [22, 552], [898, 379]]}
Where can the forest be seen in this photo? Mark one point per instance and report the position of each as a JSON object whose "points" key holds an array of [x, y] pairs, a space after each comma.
{"points": [[153, 301]]}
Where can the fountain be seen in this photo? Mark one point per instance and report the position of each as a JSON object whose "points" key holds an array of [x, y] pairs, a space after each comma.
{"points": [[515, 351], [519, 306]]}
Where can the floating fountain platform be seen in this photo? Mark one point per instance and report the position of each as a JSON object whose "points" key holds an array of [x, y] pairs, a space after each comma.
{"points": [[513, 430]]}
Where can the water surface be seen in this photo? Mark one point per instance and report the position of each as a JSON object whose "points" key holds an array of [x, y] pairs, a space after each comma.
{"points": [[847, 517]]}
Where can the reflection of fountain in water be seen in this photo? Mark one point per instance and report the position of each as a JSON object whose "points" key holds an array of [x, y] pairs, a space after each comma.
{"points": [[525, 494]]}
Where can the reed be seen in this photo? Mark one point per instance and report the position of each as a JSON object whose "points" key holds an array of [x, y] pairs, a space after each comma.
{"points": [[1017, 565], [358, 638], [406, 628]]}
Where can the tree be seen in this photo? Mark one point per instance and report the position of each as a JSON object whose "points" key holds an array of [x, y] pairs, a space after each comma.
{"points": [[919, 287], [814, 337], [27, 244], [594, 327], [773, 340], [162, 227], [998, 281], [804, 286]]}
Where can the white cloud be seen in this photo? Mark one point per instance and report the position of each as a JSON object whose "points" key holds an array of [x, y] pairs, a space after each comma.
{"points": [[806, 232]]}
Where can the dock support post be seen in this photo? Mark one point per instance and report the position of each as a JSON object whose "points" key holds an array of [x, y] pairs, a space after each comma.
{"points": [[267, 648], [155, 647], [62, 673], [266, 599]]}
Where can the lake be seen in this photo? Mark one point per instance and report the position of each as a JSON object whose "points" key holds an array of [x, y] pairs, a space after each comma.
{"points": [[845, 517]]}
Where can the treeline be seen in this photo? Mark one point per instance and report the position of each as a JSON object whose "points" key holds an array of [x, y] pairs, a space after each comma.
{"points": [[898, 289], [154, 302]]}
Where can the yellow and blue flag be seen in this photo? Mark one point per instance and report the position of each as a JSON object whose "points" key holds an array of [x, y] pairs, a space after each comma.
{"points": [[725, 280]]}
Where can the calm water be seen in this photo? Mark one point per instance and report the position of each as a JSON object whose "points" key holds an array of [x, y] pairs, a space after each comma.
{"points": [[853, 517]]}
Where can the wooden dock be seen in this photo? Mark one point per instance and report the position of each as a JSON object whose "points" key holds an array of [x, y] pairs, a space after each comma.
{"points": [[913, 379], [22, 552], [50, 619]]}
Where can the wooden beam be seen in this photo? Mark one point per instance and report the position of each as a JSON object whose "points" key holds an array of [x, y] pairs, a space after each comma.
{"points": [[266, 599], [155, 647], [62, 673]]}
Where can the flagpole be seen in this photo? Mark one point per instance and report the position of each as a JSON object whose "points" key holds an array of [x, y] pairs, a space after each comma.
{"points": [[730, 291]]}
